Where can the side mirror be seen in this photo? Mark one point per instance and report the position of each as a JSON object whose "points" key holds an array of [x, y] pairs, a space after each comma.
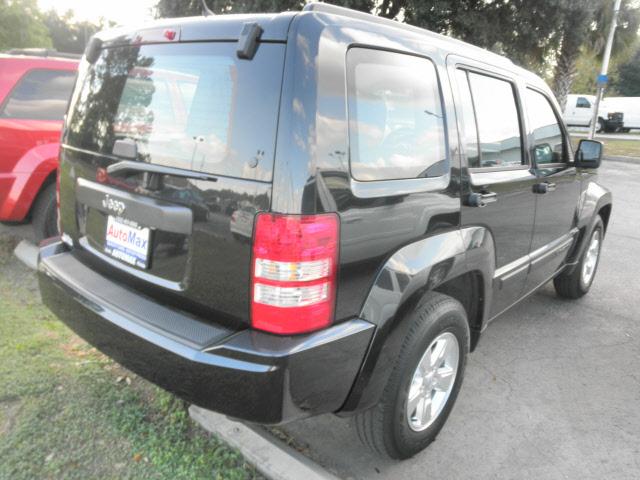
{"points": [[589, 154], [543, 154]]}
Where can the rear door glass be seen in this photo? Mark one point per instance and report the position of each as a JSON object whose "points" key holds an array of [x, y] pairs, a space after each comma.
{"points": [[497, 120], [40, 95], [193, 106]]}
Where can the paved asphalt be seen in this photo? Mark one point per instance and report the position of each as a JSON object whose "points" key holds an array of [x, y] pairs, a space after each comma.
{"points": [[552, 392]]}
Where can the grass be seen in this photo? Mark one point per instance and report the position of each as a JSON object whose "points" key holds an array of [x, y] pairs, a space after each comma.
{"points": [[623, 148], [67, 411]]}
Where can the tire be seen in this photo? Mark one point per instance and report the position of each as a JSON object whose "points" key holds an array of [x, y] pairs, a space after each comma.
{"points": [[45, 214], [388, 428], [600, 126], [579, 281]]}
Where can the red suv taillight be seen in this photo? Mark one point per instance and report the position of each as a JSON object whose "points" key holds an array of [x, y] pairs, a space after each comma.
{"points": [[294, 272]]}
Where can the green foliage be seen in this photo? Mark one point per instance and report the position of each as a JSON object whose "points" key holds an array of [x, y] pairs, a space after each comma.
{"points": [[585, 25], [627, 82], [587, 68], [68, 35], [67, 411], [186, 8], [21, 25]]}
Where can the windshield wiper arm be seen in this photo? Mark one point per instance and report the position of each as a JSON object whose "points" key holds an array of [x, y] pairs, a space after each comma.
{"points": [[128, 166]]}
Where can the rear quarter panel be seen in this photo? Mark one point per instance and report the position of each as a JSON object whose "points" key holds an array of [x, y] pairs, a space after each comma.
{"points": [[312, 172]]}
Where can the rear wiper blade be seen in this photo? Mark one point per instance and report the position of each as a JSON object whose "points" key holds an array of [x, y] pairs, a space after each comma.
{"points": [[127, 166]]}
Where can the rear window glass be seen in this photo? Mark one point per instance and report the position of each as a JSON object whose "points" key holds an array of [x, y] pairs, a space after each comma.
{"points": [[40, 95], [396, 125], [193, 106]]}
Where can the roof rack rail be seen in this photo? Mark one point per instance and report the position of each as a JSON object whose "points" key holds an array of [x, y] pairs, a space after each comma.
{"points": [[330, 9], [42, 52], [322, 7]]}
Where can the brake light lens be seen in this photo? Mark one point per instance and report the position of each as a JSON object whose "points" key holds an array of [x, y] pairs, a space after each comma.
{"points": [[294, 272]]}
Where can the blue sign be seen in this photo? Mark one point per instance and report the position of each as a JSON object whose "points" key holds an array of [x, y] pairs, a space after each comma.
{"points": [[603, 79]]}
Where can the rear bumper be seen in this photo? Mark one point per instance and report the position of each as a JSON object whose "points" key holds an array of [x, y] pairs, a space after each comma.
{"points": [[247, 374]]}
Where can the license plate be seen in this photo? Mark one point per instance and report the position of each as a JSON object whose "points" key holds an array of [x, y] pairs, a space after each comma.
{"points": [[127, 241]]}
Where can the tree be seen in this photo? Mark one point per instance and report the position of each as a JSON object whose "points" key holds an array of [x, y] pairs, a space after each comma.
{"points": [[573, 33], [70, 36], [186, 8], [520, 29], [628, 82], [586, 23], [21, 25]]}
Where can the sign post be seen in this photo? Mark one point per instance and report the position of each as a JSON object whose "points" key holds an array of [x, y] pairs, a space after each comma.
{"points": [[603, 78]]}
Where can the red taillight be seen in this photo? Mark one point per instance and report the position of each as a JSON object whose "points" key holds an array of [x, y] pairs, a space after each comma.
{"points": [[294, 272]]}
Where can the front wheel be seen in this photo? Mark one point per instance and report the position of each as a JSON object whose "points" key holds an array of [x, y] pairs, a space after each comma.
{"points": [[424, 383], [578, 282]]}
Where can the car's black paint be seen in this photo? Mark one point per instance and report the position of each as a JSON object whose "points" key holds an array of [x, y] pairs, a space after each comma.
{"points": [[183, 266], [245, 374], [398, 238]]}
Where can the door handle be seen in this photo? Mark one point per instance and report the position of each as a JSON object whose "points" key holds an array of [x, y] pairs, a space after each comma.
{"points": [[482, 199], [544, 187]]}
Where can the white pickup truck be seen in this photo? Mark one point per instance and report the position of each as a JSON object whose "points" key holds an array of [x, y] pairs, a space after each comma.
{"points": [[615, 113]]}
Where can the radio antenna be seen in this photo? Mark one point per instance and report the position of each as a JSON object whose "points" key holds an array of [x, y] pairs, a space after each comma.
{"points": [[206, 11]]}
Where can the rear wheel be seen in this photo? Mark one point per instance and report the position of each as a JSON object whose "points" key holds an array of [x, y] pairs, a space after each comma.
{"points": [[424, 383], [600, 126], [45, 214], [578, 282]]}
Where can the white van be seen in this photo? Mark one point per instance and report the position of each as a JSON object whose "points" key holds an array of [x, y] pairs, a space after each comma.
{"points": [[578, 110], [629, 106], [615, 113]]}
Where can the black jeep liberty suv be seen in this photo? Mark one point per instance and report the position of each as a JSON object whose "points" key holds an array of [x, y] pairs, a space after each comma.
{"points": [[278, 216]]}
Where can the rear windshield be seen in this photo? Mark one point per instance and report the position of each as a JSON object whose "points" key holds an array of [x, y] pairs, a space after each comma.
{"points": [[194, 106]]}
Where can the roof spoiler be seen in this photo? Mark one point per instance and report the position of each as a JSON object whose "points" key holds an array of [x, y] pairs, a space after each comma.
{"points": [[92, 52]]}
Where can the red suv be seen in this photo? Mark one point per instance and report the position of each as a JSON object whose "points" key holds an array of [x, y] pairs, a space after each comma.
{"points": [[34, 93]]}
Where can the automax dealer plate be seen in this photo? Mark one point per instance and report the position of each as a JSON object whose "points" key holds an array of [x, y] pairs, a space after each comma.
{"points": [[127, 241]]}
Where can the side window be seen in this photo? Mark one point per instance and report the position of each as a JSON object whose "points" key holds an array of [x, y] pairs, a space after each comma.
{"points": [[396, 124], [549, 142], [583, 103], [40, 95], [498, 121]]}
